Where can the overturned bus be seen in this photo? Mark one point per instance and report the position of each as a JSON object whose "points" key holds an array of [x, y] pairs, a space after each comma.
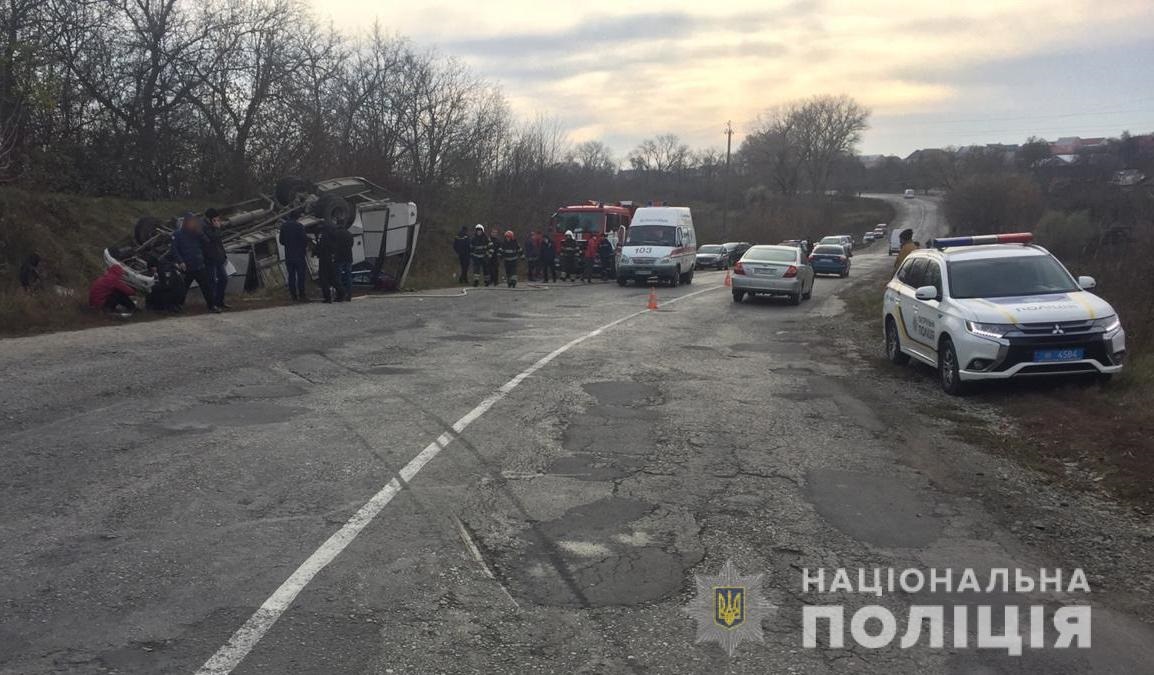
{"points": [[384, 234]]}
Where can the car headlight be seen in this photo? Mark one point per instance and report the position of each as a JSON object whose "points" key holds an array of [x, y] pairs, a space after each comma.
{"points": [[665, 261], [624, 260], [993, 331], [1110, 325]]}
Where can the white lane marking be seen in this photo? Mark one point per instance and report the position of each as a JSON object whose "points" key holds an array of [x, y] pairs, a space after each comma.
{"points": [[247, 636]]}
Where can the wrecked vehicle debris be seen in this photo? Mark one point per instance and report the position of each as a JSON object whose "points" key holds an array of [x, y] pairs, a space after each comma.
{"points": [[384, 234]]}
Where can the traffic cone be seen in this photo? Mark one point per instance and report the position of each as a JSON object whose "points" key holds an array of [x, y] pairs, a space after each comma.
{"points": [[728, 279], [652, 298]]}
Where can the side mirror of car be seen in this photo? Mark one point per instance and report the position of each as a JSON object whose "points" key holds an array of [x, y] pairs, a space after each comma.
{"points": [[1087, 283], [926, 293]]}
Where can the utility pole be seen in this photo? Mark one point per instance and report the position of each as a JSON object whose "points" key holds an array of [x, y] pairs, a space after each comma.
{"points": [[725, 183]]}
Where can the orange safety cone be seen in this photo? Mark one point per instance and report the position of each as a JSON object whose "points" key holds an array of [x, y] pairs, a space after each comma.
{"points": [[728, 279], [652, 298]]}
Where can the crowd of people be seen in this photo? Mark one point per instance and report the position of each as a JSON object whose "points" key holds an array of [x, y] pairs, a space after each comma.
{"points": [[198, 255], [486, 254]]}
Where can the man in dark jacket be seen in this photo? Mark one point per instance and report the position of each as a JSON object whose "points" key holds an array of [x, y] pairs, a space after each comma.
{"points": [[605, 251], [188, 244], [532, 255], [167, 292], [511, 253], [497, 242], [481, 250], [461, 248], [343, 262], [30, 273], [324, 251], [215, 258], [296, 245], [548, 253]]}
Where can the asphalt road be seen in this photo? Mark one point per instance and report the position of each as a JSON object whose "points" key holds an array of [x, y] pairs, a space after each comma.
{"points": [[161, 481]]}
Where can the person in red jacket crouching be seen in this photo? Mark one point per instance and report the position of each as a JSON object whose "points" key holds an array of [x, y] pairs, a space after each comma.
{"points": [[110, 293]]}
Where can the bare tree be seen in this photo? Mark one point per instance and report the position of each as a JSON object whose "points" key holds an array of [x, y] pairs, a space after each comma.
{"points": [[593, 157]]}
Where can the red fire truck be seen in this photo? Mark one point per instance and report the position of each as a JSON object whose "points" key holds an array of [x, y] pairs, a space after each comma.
{"points": [[592, 217]]}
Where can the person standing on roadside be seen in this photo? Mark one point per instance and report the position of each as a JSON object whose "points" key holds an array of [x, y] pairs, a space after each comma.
{"points": [[532, 255], [343, 262], [497, 243], [326, 273], [511, 253], [295, 242], [605, 253], [461, 248], [479, 247], [590, 257], [215, 258], [906, 238], [548, 253], [188, 248], [570, 250]]}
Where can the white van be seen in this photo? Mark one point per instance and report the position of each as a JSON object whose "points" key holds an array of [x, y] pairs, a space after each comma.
{"points": [[661, 243], [909, 194], [895, 240]]}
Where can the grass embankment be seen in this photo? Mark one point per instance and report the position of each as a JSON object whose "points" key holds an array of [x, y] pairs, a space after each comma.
{"points": [[1087, 436]]}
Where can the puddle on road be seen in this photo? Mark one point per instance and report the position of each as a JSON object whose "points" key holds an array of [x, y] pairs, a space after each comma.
{"points": [[878, 510], [207, 417]]}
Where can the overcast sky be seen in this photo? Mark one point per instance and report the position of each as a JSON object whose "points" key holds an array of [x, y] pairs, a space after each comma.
{"points": [[934, 73]]}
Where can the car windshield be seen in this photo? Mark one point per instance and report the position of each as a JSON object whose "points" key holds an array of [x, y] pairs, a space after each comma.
{"points": [[834, 250], [1005, 277], [651, 235], [710, 249], [771, 255], [831, 240], [579, 221]]}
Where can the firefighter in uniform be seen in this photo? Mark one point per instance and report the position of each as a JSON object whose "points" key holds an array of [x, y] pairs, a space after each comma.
{"points": [[497, 242], [511, 252], [605, 252], [570, 250], [480, 250]]}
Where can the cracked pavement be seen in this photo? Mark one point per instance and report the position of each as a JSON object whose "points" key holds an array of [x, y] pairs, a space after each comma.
{"points": [[161, 480]]}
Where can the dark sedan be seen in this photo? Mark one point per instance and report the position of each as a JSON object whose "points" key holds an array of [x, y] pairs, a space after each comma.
{"points": [[830, 259], [736, 249], [712, 255]]}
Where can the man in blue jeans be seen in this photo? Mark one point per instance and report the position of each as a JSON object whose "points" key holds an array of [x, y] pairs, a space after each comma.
{"points": [[188, 244], [295, 242], [215, 258]]}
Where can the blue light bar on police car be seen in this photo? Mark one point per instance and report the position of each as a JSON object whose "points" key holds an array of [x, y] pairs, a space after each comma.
{"points": [[1014, 238]]}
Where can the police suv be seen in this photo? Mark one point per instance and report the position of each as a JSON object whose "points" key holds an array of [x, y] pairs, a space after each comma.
{"points": [[996, 307]]}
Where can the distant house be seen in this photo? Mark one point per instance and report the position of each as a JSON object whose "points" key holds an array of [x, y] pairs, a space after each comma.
{"points": [[1128, 177]]}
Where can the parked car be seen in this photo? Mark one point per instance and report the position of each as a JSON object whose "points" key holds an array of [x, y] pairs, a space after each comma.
{"points": [[909, 194], [736, 249], [996, 307], [773, 270], [843, 240], [713, 255], [830, 259]]}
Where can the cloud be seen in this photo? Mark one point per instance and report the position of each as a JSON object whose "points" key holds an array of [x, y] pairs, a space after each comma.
{"points": [[627, 71]]}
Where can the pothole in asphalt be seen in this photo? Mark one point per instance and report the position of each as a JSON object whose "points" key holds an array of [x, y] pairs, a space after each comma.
{"points": [[613, 551], [878, 510], [266, 391], [587, 466], [240, 414], [771, 347], [622, 393]]}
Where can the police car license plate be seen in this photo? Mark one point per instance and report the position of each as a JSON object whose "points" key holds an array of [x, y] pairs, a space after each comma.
{"points": [[1050, 355]]}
